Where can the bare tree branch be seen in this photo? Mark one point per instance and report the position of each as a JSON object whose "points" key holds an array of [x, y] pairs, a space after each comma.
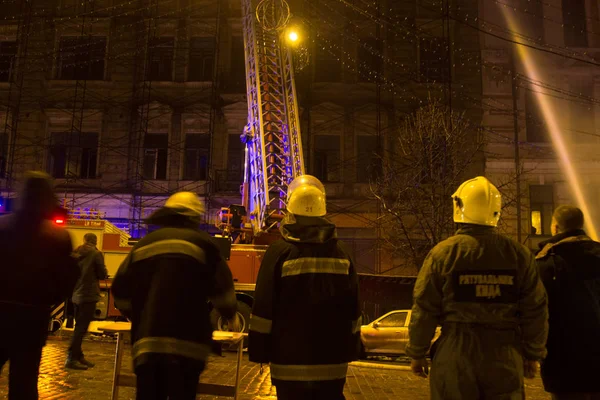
{"points": [[435, 146]]}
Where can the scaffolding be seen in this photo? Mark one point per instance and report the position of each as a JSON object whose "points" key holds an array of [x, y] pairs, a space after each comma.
{"points": [[132, 33], [18, 69], [140, 113], [133, 30]]}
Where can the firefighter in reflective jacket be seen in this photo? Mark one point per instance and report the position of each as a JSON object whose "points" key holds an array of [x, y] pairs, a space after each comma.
{"points": [[164, 286], [484, 290], [306, 316]]}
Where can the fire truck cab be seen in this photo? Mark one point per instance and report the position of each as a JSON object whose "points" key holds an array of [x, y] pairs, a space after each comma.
{"points": [[112, 242]]}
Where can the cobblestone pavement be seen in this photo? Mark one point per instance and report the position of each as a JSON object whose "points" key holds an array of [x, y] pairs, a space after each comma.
{"points": [[365, 382]]}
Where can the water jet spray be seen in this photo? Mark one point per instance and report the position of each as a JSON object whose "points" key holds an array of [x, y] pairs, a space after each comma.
{"points": [[549, 114]]}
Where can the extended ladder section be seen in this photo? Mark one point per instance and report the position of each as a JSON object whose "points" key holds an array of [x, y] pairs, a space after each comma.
{"points": [[272, 136]]}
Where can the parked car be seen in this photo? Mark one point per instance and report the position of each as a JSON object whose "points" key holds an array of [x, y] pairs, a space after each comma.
{"points": [[388, 335]]}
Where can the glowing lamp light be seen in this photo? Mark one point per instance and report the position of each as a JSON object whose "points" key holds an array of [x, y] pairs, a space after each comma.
{"points": [[59, 221], [293, 36], [550, 116]]}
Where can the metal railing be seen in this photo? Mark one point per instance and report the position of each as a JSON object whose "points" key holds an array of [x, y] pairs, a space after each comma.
{"points": [[86, 214], [124, 236]]}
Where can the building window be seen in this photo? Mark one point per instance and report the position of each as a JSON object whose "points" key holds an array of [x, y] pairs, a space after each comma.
{"points": [[541, 205], [328, 67], [368, 162], [81, 57], [574, 23], [237, 67], [197, 150], [368, 61], [202, 59], [160, 56], [8, 53], [327, 166], [73, 154], [536, 130], [582, 110], [235, 159], [535, 20], [155, 156], [434, 59]]}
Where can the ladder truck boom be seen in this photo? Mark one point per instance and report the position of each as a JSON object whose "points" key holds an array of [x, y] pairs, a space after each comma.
{"points": [[272, 136]]}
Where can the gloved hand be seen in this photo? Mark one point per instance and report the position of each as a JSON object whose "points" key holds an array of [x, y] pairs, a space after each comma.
{"points": [[530, 368], [420, 367]]}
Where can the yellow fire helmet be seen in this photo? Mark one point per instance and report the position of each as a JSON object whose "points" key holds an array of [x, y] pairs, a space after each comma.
{"points": [[477, 202], [306, 196], [186, 203]]}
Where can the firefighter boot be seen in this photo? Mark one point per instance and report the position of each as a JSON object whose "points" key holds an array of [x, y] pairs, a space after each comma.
{"points": [[74, 364], [85, 362]]}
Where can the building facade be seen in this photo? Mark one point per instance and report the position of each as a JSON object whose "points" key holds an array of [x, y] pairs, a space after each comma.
{"points": [[126, 102], [556, 73]]}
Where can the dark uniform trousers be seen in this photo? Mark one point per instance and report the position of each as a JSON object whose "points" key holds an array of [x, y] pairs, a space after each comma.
{"points": [[23, 349], [314, 390], [475, 362], [84, 314], [168, 377], [24, 369]]}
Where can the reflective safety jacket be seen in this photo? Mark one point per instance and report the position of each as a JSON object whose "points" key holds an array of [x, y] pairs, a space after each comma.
{"points": [[480, 278], [306, 316], [164, 287]]}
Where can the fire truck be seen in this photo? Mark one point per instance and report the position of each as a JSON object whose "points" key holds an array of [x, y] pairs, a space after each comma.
{"points": [[115, 244], [112, 242]]}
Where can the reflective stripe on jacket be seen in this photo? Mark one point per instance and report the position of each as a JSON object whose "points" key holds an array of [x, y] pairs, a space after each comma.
{"points": [[164, 287], [308, 373], [171, 346]]}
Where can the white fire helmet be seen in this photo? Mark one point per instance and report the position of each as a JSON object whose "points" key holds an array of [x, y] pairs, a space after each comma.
{"points": [[186, 203], [306, 196], [477, 202]]}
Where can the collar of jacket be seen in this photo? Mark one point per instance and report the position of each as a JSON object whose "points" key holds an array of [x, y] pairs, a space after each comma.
{"points": [[301, 229], [472, 229], [577, 235], [84, 250], [90, 246]]}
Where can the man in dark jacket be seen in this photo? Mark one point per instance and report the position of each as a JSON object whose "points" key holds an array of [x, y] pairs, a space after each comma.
{"points": [[164, 287], [37, 272], [484, 290], [306, 316], [85, 297], [569, 264]]}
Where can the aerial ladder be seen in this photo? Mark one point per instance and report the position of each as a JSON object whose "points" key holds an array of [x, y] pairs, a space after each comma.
{"points": [[273, 151], [273, 145]]}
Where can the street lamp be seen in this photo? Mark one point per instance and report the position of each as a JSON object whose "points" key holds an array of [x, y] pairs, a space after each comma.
{"points": [[293, 36]]}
